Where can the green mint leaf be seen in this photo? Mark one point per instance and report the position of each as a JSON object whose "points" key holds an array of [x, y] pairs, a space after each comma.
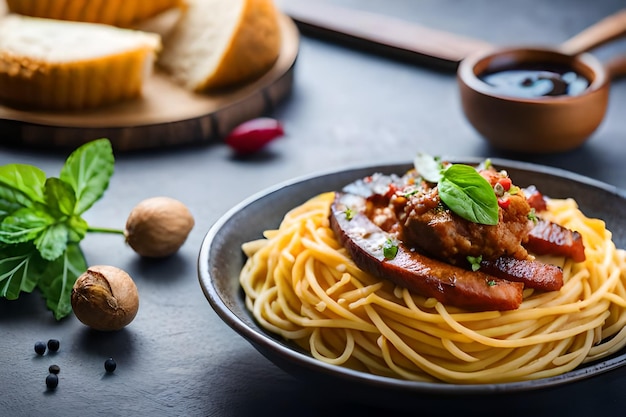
{"points": [[428, 167], [61, 202], [88, 171], [49, 226], [41, 223], [468, 194], [77, 228], [27, 179], [20, 186], [58, 279], [60, 197], [7, 207], [24, 225], [52, 242], [20, 269]]}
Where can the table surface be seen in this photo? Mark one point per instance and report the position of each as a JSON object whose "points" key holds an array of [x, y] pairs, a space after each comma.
{"points": [[348, 107]]}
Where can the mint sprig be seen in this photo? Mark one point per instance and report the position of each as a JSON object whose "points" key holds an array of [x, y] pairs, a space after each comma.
{"points": [[462, 189], [41, 224]]}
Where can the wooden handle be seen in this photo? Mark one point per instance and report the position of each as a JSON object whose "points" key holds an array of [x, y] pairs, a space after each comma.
{"points": [[606, 30], [382, 34]]}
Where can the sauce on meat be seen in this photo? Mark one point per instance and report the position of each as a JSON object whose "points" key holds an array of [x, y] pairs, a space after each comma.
{"points": [[439, 254]]}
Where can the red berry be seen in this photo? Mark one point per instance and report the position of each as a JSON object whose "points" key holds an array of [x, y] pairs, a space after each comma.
{"points": [[253, 135]]}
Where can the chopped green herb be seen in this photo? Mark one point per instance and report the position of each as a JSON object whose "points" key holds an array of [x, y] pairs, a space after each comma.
{"points": [[390, 249], [410, 193], [475, 262], [491, 282], [349, 213], [532, 215]]}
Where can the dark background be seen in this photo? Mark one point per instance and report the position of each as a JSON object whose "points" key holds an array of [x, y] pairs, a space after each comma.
{"points": [[347, 107]]}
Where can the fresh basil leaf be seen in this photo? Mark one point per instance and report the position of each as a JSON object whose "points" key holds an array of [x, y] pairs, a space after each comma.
{"points": [[60, 197], [20, 269], [41, 223], [24, 225], [468, 194], [7, 207], [77, 228], [27, 180], [428, 167], [49, 227], [58, 279], [52, 242], [88, 170]]}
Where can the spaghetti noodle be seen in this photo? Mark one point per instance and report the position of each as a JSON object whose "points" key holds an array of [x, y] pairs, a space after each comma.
{"points": [[301, 284]]}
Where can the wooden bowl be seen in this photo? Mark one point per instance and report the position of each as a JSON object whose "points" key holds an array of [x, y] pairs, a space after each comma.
{"points": [[545, 124]]}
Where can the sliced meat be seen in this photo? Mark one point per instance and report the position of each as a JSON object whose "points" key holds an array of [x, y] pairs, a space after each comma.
{"points": [[442, 234], [449, 284], [535, 199], [533, 274], [547, 238]]}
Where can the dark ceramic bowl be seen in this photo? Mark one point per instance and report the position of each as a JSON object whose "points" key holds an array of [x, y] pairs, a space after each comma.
{"points": [[221, 259]]}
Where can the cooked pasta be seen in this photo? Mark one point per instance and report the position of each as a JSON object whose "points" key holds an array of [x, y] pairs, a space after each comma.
{"points": [[301, 284]]}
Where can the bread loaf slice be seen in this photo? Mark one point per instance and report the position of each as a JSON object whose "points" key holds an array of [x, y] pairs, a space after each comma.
{"points": [[61, 65], [112, 12], [221, 43]]}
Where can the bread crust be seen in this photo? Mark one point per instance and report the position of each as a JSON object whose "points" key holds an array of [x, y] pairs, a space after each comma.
{"points": [[253, 50], [123, 13], [36, 76], [246, 53]]}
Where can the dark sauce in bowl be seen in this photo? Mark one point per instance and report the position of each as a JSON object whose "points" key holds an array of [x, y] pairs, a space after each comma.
{"points": [[536, 81]]}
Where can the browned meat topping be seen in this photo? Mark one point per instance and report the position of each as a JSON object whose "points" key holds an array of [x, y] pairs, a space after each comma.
{"points": [[440, 254], [442, 234]]}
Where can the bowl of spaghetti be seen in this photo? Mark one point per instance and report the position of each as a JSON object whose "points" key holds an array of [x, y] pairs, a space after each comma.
{"points": [[275, 272]]}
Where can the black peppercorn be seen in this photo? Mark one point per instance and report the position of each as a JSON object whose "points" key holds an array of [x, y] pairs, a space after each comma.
{"points": [[52, 380], [54, 369], [53, 345], [110, 365], [40, 348]]}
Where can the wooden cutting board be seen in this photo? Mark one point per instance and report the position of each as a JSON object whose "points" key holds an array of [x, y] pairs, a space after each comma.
{"points": [[166, 116]]}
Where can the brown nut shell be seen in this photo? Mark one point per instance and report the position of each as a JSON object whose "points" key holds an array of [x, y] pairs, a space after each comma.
{"points": [[158, 227], [105, 298]]}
